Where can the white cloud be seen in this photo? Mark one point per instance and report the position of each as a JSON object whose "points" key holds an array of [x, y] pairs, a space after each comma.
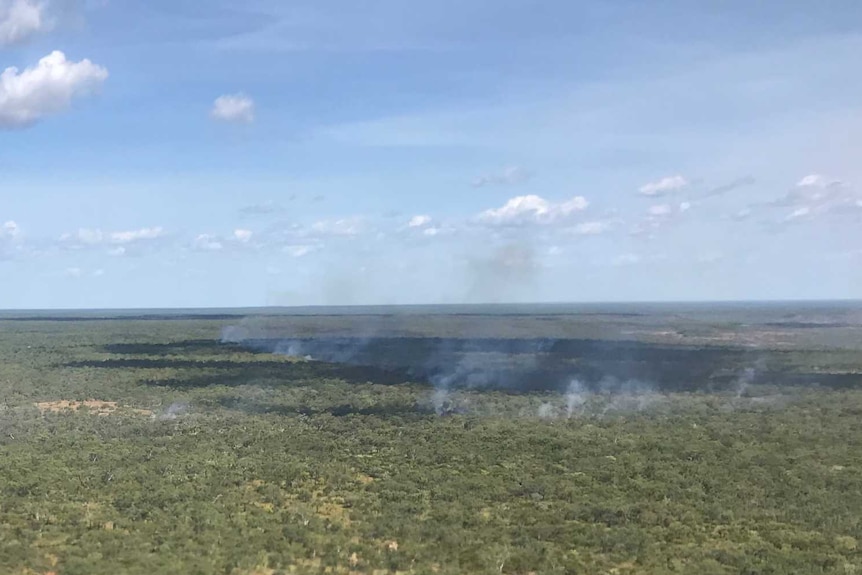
{"points": [[73, 272], [660, 210], [237, 108], [663, 186], [660, 215], [591, 228], [509, 176], [342, 227], [142, 234], [10, 236], [816, 196], [84, 237], [9, 230], [21, 19], [243, 236], [799, 213], [48, 88], [741, 215], [532, 209], [88, 237], [116, 242], [207, 243], [815, 180], [299, 251], [419, 221], [238, 239]]}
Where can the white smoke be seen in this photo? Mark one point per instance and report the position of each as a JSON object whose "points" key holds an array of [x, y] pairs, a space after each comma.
{"points": [[441, 400], [174, 411], [547, 411], [576, 398], [234, 334], [745, 380]]}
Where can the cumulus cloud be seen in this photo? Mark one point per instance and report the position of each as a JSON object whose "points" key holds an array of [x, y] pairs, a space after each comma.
{"points": [[93, 237], [48, 88], [532, 209], [815, 196], [21, 19], [10, 239], [433, 231], [299, 251], [238, 239], [741, 215], [593, 228], [341, 227], [243, 236], [207, 243], [135, 235], [117, 244], [660, 215], [508, 177], [660, 210], [9, 231], [236, 108], [419, 221], [664, 186]]}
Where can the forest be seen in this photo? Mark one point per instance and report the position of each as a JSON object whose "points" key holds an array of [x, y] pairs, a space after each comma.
{"points": [[520, 442]]}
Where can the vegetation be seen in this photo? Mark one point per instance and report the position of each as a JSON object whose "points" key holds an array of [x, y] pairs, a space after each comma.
{"points": [[145, 446]]}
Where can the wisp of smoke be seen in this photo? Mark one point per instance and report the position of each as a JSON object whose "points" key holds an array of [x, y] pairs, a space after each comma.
{"points": [[547, 411], [174, 411], [576, 397], [745, 380]]}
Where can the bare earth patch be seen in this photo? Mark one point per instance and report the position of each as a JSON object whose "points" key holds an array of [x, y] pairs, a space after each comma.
{"points": [[91, 406]]}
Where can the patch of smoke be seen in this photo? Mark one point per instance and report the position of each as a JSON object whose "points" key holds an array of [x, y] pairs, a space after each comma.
{"points": [[576, 397], [255, 334], [748, 377], [547, 411], [607, 397], [443, 362], [604, 381], [234, 334], [745, 392], [507, 274], [292, 348], [441, 401], [173, 411]]}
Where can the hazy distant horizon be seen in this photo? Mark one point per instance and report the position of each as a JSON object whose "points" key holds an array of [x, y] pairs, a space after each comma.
{"points": [[433, 308]]}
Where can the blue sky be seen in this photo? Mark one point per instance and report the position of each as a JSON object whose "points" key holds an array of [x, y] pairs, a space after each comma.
{"points": [[204, 153]]}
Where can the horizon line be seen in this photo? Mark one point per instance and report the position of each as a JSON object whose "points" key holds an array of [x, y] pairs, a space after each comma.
{"points": [[430, 305]]}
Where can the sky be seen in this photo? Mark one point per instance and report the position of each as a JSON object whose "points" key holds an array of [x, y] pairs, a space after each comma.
{"points": [[205, 153]]}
